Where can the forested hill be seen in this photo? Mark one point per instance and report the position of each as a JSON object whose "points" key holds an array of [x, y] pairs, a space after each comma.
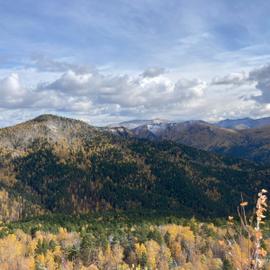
{"points": [[55, 164]]}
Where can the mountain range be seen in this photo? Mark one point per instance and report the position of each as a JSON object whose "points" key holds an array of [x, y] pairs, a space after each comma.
{"points": [[54, 164], [238, 124], [225, 137]]}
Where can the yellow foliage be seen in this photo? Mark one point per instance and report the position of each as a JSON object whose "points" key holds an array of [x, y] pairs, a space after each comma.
{"points": [[47, 260], [182, 250], [140, 249], [11, 248], [239, 254], [152, 249], [175, 230]]}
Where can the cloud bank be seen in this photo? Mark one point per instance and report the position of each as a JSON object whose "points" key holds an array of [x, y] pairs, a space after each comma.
{"points": [[102, 98], [95, 93]]}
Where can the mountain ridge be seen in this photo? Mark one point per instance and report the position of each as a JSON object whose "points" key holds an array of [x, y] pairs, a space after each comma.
{"points": [[238, 124], [249, 143], [244, 123], [84, 169]]}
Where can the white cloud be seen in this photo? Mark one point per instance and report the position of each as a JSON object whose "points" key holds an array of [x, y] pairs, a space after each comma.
{"points": [[233, 78], [261, 77], [127, 91], [15, 96], [70, 82], [11, 91], [104, 98], [153, 72]]}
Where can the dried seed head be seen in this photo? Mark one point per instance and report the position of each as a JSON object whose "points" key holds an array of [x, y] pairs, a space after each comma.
{"points": [[243, 204]]}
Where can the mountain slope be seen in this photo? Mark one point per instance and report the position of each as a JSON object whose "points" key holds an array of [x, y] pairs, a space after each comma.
{"points": [[252, 144], [45, 127], [63, 165]]}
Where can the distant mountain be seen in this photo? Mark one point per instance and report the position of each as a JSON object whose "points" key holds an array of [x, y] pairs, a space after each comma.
{"points": [[237, 124], [252, 143], [244, 123], [56, 164], [136, 123], [198, 134]]}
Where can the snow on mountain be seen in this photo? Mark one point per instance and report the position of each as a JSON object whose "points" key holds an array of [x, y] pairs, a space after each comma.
{"points": [[136, 123]]}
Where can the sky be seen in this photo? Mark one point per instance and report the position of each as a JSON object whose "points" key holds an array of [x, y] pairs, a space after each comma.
{"points": [[111, 61]]}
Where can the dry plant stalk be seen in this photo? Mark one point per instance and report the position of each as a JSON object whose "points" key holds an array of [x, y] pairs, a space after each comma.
{"points": [[253, 257]]}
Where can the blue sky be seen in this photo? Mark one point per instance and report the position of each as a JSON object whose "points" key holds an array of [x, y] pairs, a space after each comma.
{"points": [[89, 59]]}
